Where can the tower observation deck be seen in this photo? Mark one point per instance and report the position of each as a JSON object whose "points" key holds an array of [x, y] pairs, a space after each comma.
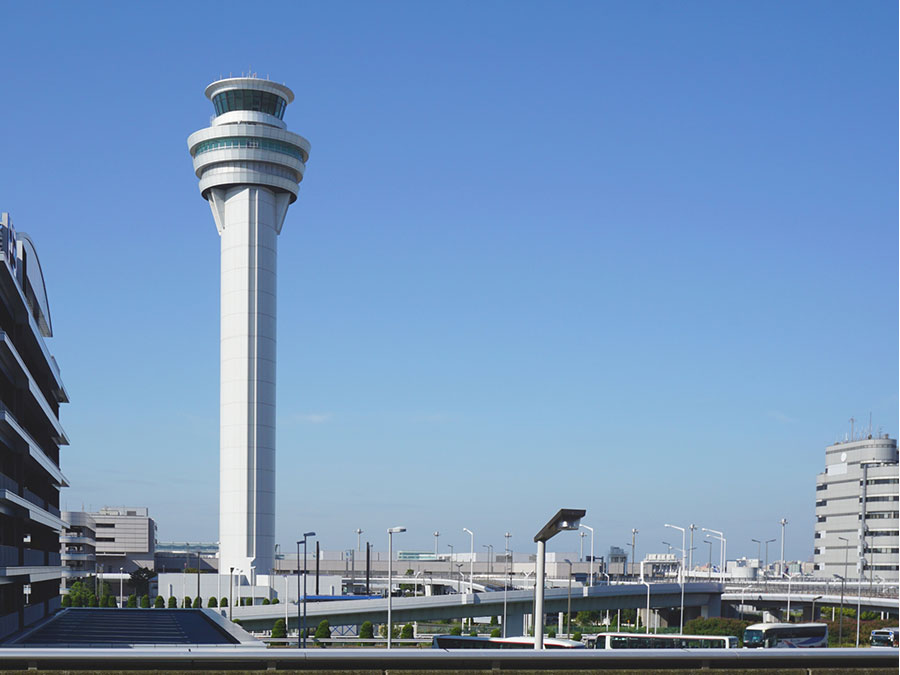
{"points": [[249, 167]]}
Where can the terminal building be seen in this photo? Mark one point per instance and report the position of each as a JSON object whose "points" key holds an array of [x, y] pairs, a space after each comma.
{"points": [[31, 392], [857, 505]]}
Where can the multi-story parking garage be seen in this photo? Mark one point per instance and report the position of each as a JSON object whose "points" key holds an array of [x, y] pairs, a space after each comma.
{"points": [[30, 437]]}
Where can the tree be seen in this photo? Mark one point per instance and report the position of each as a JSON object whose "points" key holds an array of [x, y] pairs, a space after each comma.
{"points": [[495, 632], [274, 601], [186, 603], [278, 629], [577, 637], [132, 601], [366, 630], [141, 579], [111, 601], [67, 600], [323, 630], [159, 603], [407, 632], [198, 602], [104, 601], [551, 633], [473, 633], [493, 620], [266, 601], [212, 602], [456, 630], [145, 601], [223, 602], [173, 603]]}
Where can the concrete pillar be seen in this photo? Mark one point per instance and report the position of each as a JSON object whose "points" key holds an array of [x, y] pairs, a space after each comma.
{"points": [[713, 608], [516, 624]]}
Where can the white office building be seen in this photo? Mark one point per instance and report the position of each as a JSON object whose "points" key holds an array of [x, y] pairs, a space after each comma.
{"points": [[31, 391], [857, 504], [249, 167]]}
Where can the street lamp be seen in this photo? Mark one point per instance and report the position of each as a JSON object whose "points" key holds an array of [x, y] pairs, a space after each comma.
{"points": [[391, 532], [459, 573], [783, 522], [471, 561], [231, 596], [721, 538], [841, 624], [758, 551], [683, 552], [450, 566], [509, 574], [591, 568], [565, 519], [812, 615], [358, 532], [121, 587], [569, 606], [301, 620], [437, 536], [767, 542], [709, 563], [647, 618], [490, 549], [581, 536], [633, 533], [790, 578]]}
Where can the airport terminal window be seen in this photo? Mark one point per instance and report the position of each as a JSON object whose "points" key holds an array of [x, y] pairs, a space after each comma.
{"points": [[249, 99], [242, 142]]}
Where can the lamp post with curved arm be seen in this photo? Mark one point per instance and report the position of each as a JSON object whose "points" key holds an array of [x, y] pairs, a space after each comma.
{"points": [[591, 568], [471, 561], [391, 532]]}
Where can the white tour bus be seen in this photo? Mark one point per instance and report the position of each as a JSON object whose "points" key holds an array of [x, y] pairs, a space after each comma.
{"points": [[664, 641], [885, 637], [786, 635]]}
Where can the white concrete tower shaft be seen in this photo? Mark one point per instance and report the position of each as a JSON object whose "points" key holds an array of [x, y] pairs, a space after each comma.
{"points": [[249, 168]]}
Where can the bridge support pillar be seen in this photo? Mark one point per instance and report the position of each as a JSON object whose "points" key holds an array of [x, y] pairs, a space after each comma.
{"points": [[515, 624], [713, 608], [808, 614]]}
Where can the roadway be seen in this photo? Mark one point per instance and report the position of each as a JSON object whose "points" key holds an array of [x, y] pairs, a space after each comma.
{"points": [[698, 598]]}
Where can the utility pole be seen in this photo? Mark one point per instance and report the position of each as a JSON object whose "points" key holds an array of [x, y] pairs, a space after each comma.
{"points": [[692, 527], [633, 533], [783, 522]]}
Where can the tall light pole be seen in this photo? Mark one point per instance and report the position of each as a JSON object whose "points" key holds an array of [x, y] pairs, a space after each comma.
{"points": [[591, 568], [767, 542], [490, 549], [758, 551], [569, 605], [709, 563], [841, 624], [647, 618], [790, 578], [437, 536], [691, 549], [683, 532], [471, 561], [121, 587], [783, 522], [450, 546], [633, 533], [565, 519], [846, 553], [721, 538], [358, 544], [231, 596], [391, 532], [581, 536], [508, 580], [301, 619]]}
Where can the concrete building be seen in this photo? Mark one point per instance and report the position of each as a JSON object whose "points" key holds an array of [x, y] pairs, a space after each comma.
{"points": [[31, 391], [857, 504], [78, 548], [249, 168], [126, 540]]}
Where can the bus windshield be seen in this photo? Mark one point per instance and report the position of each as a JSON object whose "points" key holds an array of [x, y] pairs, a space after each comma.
{"points": [[753, 638]]}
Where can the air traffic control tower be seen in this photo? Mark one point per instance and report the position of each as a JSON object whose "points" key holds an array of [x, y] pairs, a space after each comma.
{"points": [[249, 168]]}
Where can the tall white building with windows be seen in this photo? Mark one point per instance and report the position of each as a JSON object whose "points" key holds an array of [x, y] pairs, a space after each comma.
{"points": [[249, 166], [857, 504]]}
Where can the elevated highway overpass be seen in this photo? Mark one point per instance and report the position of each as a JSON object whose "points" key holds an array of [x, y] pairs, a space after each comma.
{"points": [[699, 599]]}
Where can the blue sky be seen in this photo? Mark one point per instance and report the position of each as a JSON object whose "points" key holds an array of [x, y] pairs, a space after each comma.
{"points": [[638, 258]]}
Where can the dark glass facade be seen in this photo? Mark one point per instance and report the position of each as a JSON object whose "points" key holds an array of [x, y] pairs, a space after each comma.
{"points": [[249, 99]]}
